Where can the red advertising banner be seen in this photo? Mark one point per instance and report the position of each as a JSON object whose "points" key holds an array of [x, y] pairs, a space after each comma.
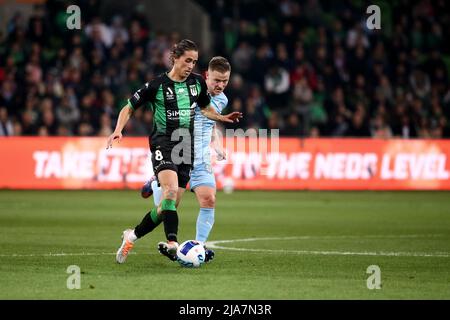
{"points": [[343, 164], [252, 163], [73, 163]]}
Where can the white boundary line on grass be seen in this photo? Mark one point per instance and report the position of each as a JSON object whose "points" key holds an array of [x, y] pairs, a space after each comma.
{"points": [[215, 245], [62, 254]]}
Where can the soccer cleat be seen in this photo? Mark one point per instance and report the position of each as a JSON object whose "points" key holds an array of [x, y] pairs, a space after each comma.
{"points": [[146, 190], [209, 255], [126, 247], [168, 249]]}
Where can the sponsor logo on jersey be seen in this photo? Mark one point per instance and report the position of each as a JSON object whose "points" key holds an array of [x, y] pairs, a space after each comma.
{"points": [[193, 89], [169, 94], [175, 114]]}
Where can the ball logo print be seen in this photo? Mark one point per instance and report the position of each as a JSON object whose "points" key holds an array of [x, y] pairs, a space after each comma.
{"points": [[191, 254]]}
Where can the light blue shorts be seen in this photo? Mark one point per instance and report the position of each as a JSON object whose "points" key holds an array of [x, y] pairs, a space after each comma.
{"points": [[202, 175]]}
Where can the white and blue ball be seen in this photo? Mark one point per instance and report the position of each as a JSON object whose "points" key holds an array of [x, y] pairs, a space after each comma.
{"points": [[191, 254]]}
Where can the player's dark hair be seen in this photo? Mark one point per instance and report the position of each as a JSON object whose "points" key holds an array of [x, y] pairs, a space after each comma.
{"points": [[219, 64], [181, 47]]}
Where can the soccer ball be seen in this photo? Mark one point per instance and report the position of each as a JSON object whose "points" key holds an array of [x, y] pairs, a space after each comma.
{"points": [[191, 254]]}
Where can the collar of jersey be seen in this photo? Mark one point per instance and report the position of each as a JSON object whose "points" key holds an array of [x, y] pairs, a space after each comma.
{"points": [[167, 75]]}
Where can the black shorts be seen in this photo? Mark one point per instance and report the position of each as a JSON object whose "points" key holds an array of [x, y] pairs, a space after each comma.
{"points": [[169, 156]]}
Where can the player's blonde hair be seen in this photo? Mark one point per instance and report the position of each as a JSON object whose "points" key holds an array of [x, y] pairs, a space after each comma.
{"points": [[219, 64]]}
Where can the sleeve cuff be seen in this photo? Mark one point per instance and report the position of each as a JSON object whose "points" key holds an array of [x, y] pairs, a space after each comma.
{"points": [[131, 106]]}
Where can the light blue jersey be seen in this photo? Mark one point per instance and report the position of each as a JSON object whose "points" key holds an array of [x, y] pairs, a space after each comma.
{"points": [[203, 129], [201, 173]]}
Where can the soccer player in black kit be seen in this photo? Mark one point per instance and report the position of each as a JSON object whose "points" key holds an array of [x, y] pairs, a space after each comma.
{"points": [[172, 96]]}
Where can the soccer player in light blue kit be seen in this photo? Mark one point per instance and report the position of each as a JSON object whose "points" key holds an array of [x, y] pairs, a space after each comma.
{"points": [[202, 180]]}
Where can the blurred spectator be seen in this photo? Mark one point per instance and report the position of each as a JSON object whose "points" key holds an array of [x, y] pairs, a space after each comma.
{"points": [[43, 131], [7, 95], [297, 65], [303, 97], [105, 125], [292, 128], [49, 122], [357, 37], [100, 34], [358, 126], [339, 126], [17, 129], [379, 128], [68, 114], [420, 83], [62, 130], [314, 132], [276, 85], [242, 57], [383, 92], [85, 129], [273, 121], [256, 110], [118, 30], [135, 126], [6, 125]]}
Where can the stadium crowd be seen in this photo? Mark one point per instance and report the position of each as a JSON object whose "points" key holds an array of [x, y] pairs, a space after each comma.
{"points": [[309, 68]]}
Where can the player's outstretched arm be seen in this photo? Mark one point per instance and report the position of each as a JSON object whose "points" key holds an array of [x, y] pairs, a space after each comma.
{"points": [[212, 114], [216, 140], [124, 116]]}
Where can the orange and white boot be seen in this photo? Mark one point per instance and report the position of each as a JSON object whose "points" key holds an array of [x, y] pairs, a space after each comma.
{"points": [[128, 238]]}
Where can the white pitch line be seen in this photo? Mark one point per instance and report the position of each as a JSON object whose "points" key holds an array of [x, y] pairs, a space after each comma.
{"points": [[407, 236], [214, 245], [62, 254], [342, 253]]}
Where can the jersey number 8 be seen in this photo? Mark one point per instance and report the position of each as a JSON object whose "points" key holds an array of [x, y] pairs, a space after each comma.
{"points": [[158, 155]]}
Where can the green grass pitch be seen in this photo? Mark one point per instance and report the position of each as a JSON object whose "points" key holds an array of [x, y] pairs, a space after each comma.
{"points": [[280, 245]]}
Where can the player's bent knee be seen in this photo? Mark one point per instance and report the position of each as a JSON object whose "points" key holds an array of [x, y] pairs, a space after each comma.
{"points": [[170, 193], [208, 201]]}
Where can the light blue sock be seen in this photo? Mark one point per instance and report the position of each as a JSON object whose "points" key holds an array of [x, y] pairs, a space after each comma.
{"points": [[156, 193], [205, 222]]}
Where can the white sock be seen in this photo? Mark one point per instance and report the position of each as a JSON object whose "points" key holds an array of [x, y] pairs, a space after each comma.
{"points": [[157, 193], [132, 236]]}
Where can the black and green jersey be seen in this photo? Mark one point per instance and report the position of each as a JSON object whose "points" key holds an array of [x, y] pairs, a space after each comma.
{"points": [[173, 102]]}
